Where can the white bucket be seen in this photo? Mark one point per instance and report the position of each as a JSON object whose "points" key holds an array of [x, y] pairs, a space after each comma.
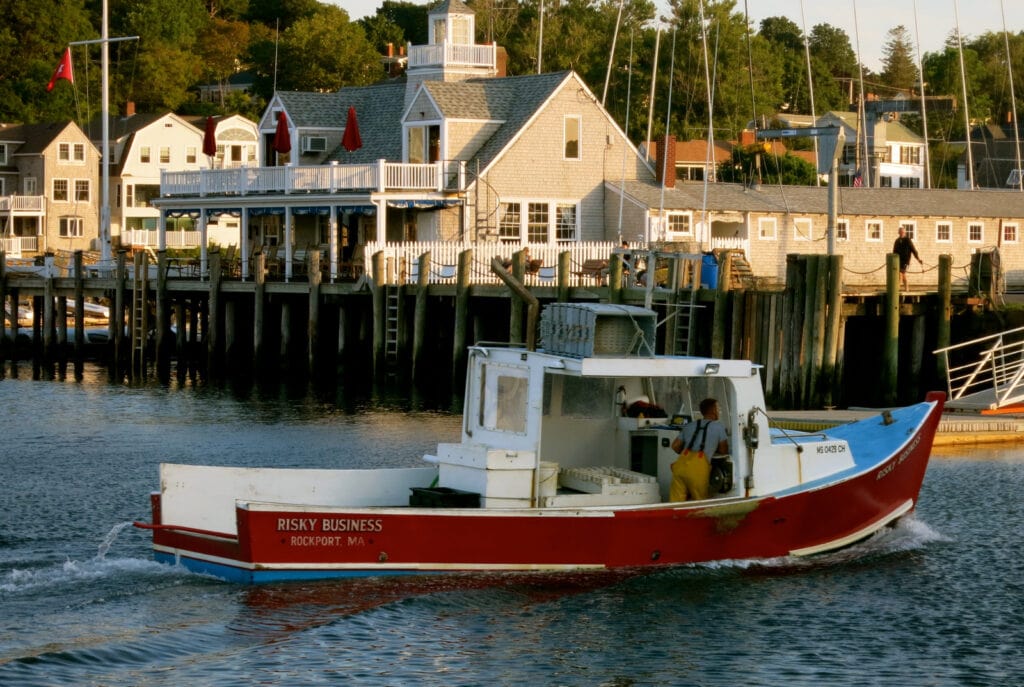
{"points": [[548, 479]]}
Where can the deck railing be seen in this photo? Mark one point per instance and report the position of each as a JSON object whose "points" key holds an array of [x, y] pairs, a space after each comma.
{"points": [[145, 238], [16, 246], [997, 370], [380, 177], [17, 204], [450, 54], [401, 260]]}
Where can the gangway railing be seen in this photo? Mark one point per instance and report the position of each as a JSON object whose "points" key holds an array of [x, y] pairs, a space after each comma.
{"points": [[994, 372]]}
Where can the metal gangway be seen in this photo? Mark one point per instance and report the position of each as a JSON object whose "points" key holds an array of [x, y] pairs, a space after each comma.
{"points": [[986, 373]]}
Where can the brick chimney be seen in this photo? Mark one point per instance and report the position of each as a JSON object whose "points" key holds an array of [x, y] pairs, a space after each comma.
{"points": [[665, 161], [129, 108], [747, 137]]}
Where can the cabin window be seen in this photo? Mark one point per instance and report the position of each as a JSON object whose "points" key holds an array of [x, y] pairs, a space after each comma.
{"points": [[578, 397], [802, 229], [943, 232], [975, 232], [503, 398], [572, 137], [873, 230], [1009, 233], [766, 228]]}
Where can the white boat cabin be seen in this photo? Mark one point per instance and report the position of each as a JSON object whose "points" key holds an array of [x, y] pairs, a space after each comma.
{"points": [[553, 428]]}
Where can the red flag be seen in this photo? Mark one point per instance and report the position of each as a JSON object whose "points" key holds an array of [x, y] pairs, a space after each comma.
{"points": [[282, 139], [351, 138], [858, 180], [210, 138], [63, 70]]}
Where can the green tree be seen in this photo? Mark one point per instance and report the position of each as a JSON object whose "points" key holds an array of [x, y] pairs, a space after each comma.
{"points": [[899, 68], [753, 162], [281, 14], [325, 52]]}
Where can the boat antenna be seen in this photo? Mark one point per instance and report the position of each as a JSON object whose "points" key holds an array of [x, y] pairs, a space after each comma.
{"points": [[650, 108], [611, 55], [810, 87], [963, 87], [1013, 101], [924, 105]]}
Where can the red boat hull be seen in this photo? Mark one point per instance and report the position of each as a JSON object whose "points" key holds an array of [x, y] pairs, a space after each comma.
{"points": [[277, 542]]}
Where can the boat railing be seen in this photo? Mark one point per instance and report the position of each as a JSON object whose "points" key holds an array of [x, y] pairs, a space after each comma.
{"points": [[993, 371]]}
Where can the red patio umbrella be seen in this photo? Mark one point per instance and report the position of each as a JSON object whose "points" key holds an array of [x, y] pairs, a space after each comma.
{"points": [[282, 139], [351, 139], [210, 138]]}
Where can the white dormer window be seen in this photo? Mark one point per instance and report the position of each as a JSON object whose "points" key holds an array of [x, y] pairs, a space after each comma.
{"points": [[314, 144]]}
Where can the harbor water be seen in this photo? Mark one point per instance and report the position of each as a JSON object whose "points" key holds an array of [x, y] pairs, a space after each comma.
{"points": [[938, 600]]}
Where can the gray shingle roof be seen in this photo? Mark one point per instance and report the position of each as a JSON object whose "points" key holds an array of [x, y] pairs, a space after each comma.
{"points": [[882, 202], [34, 138]]}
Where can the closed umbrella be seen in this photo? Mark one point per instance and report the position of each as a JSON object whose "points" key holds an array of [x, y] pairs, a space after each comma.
{"points": [[282, 139], [210, 138], [351, 139]]}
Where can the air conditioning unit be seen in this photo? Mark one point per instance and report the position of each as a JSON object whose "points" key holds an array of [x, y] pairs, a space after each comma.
{"points": [[314, 144]]}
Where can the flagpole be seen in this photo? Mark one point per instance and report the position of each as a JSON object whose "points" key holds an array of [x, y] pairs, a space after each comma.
{"points": [[105, 41]]}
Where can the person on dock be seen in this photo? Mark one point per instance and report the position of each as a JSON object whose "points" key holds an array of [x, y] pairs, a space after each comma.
{"points": [[904, 247], [691, 472]]}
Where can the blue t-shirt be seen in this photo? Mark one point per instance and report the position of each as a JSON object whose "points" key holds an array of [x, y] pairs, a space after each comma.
{"points": [[715, 435]]}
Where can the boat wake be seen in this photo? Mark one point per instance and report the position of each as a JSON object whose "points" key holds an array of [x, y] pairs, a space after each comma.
{"points": [[909, 534], [31, 578]]}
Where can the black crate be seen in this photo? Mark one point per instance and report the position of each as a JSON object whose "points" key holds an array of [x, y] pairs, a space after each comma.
{"points": [[443, 497]]}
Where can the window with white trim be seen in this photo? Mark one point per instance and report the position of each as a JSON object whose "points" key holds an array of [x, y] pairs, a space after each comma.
{"points": [[145, 154], [571, 137], [71, 152], [842, 230], [71, 227], [537, 215], [767, 228], [943, 232], [679, 224], [1010, 233], [910, 228], [28, 186], [61, 191], [802, 228], [975, 232], [190, 155], [510, 223], [165, 155], [83, 190], [873, 230], [565, 223]]}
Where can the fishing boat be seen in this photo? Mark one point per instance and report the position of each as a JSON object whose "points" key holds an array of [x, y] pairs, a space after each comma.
{"points": [[565, 463]]}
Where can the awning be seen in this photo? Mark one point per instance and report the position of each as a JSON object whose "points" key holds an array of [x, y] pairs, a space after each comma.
{"points": [[424, 205], [177, 214], [230, 212]]}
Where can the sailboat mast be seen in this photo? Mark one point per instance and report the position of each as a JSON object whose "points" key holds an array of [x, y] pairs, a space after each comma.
{"points": [[1013, 100], [862, 124], [963, 86], [105, 240], [924, 104], [810, 86], [654, 79]]}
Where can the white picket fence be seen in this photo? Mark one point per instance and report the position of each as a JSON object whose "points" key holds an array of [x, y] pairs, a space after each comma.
{"points": [[402, 260]]}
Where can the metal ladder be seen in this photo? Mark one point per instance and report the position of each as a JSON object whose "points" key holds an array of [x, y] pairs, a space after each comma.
{"points": [[140, 315], [683, 316], [392, 294]]}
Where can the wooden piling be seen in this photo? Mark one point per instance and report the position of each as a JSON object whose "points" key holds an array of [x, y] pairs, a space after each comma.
{"points": [[259, 310], [737, 300], [163, 318], [117, 316], [461, 317], [313, 322], [720, 316], [913, 385], [945, 312], [49, 322], [891, 338], [179, 337], [818, 338], [79, 347], [212, 332], [615, 280], [419, 326], [516, 308], [807, 331], [785, 389], [830, 383], [564, 273]]}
